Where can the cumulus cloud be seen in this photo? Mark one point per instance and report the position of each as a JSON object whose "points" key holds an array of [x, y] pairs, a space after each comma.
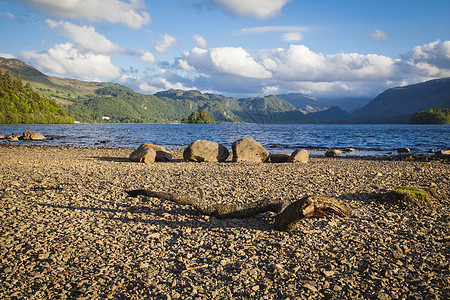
{"points": [[167, 41], [225, 60], [260, 9], [378, 36], [300, 69], [7, 55], [128, 13], [68, 61], [299, 63], [86, 37], [147, 57], [436, 53], [201, 42]]}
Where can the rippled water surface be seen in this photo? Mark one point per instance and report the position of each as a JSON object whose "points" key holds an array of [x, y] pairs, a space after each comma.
{"points": [[419, 138]]}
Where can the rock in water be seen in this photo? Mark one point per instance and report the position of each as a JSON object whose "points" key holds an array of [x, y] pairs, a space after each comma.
{"points": [[299, 155], [333, 153], [248, 149], [205, 151], [145, 153], [403, 150], [32, 135]]}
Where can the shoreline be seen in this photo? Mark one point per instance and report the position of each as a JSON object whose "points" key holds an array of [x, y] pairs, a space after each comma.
{"points": [[69, 231]]}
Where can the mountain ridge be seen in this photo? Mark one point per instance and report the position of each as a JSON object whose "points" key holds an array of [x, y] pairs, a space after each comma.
{"points": [[113, 102]]}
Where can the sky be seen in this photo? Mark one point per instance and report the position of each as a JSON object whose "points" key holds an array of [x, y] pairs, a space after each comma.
{"points": [[239, 48]]}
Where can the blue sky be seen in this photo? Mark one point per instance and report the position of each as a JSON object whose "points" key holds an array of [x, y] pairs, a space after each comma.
{"points": [[233, 47]]}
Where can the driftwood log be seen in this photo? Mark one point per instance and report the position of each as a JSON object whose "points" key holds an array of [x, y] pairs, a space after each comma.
{"points": [[288, 214]]}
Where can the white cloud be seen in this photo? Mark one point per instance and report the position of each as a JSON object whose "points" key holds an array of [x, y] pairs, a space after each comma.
{"points": [[68, 61], [260, 9], [237, 61], [431, 60], [7, 55], [128, 13], [298, 68], [292, 37], [167, 41], [86, 37], [147, 57], [299, 63], [185, 65], [225, 60], [290, 33], [201, 42], [7, 15], [265, 29], [378, 36]]}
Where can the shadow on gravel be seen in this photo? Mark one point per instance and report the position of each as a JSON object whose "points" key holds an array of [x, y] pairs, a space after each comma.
{"points": [[126, 159], [171, 217], [363, 197], [112, 159]]}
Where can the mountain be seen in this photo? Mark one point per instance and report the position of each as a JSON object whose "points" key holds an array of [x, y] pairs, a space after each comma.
{"points": [[304, 103], [397, 105], [269, 109], [112, 102], [349, 104], [333, 115]]}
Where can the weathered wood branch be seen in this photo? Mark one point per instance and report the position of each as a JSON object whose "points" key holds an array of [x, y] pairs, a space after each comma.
{"points": [[288, 215]]}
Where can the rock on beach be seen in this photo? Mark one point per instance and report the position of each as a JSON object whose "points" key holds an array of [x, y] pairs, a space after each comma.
{"points": [[69, 231]]}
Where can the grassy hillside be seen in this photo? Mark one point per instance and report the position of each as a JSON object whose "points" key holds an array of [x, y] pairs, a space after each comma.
{"points": [[397, 105], [19, 103], [431, 116]]}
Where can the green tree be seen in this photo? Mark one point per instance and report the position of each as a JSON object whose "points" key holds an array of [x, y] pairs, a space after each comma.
{"points": [[198, 117]]}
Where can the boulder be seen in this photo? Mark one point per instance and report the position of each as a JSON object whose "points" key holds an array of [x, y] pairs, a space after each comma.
{"points": [[279, 157], [248, 149], [162, 155], [403, 150], [299, 155], [144, 153], [32, 135], [333, 153], [443, 153], [2, 136], [13, 137], [205, 151]]}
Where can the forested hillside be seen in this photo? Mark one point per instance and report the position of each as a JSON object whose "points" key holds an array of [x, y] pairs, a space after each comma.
{"points": [[20, 104]]}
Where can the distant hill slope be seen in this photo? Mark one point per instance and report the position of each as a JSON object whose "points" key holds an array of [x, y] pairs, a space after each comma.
{"points": [[62, 90], [304, 103], [19, 103], [112, 102], [398, 104]]}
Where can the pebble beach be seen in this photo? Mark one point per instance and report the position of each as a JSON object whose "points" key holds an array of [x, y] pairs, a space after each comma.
{"points": [[69, 231]]}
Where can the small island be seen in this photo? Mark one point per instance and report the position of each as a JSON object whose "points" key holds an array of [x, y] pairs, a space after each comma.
{"points": [[198, 117], [431, 116]]}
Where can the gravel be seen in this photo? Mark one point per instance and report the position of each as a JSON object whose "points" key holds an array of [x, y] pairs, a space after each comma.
{"points": [[69, 231]]}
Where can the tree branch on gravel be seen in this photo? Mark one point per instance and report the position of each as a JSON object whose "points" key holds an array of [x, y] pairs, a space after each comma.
{"points": [[288, 214]]}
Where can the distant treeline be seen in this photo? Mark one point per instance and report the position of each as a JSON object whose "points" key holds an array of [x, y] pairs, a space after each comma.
{"points": [[19, 103]]}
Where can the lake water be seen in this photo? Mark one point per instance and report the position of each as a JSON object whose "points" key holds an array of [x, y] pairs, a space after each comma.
{"points": [[368, 139]]}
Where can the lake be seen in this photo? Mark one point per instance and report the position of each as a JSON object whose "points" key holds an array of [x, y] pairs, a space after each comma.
{"points": [[368, 139]]}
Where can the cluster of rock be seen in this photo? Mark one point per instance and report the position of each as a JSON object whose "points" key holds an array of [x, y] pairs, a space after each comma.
{"points": [[245, 149], [26, 135]]}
